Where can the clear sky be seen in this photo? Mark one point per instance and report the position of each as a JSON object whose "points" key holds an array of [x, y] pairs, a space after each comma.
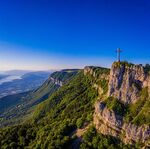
{"points": [[54, 34]]}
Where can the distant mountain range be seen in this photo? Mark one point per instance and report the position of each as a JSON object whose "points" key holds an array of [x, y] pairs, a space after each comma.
{"points": [[2, 76], [15, 72], [16, 81]]}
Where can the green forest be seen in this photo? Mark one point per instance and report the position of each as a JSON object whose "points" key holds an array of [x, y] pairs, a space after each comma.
{"points": [[53, 123]]}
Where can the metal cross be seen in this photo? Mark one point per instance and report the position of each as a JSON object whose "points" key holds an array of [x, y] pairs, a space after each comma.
{"points": [[118, 54]]}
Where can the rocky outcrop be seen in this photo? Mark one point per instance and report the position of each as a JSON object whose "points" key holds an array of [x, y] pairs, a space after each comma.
{"points": [[108, 123], [146, 83], [98, 74], [91, 70], [126, 81], [57, 82]]}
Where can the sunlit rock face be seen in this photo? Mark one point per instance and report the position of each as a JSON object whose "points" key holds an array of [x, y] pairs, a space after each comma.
{"points": [[108, 123], [126, 81]]}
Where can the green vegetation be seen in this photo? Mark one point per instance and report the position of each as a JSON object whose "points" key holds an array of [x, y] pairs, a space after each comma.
{"points": [[54, 121], [143, 116], [104, 84], [70, 97], [17, 136], [65, 74], [94, 140], [138, 113], [56, 118], [100, 70], [115, 105], [123, 63], [14, 107], [147, 68]]}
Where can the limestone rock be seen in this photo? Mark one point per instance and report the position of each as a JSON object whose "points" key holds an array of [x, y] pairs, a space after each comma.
{"points": [[125, 82], [108, 123]]}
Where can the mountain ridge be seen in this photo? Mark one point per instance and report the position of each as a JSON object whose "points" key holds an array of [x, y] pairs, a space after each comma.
{"points": [[127, 84], [90, 98], [25, 101]]}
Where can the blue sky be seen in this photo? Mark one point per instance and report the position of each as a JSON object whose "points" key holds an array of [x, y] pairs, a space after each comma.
{"points": [[55, 34]]}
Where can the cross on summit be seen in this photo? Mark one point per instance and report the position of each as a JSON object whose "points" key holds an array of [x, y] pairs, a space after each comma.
{"points": [[118, 54]]}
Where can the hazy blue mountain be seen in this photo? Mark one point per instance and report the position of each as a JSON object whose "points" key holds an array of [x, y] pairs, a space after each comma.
{"points": [[18, 82], [16, 72], [2, 76]]}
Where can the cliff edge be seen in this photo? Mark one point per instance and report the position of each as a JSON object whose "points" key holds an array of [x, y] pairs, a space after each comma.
{"points": [[124, 110]]}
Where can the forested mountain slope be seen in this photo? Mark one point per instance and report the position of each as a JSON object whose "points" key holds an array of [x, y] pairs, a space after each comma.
{"points": [[87, 112], [16, 106]]}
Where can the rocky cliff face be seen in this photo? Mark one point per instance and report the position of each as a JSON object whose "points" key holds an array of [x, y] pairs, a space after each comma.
{"points": [[91, 70], [125, 84], [55, 81], [108, 123], [100, 78]]}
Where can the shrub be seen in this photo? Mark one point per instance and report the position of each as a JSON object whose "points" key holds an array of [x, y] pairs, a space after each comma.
{"points": [[115, 105]]}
